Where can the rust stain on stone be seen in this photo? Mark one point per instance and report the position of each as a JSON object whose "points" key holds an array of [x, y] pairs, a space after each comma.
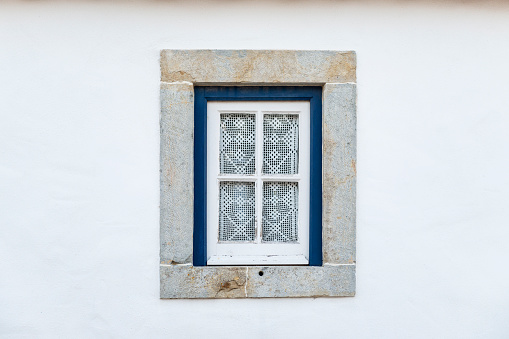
{"points": [[228, 286], [342, 66], [329, 143], [176, 76]]}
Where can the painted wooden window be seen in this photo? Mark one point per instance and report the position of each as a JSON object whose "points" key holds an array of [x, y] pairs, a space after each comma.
{"points": [[258, 182], [257, 176]]}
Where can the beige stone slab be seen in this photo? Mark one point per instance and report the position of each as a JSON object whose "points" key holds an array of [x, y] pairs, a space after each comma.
{"points": [[301, 281], [177, 188], [191, 282], [186, 281], [339, 173], [258, 66]]}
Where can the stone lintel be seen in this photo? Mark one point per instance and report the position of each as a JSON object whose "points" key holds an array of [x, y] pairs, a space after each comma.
{"points": [[223, 67]]}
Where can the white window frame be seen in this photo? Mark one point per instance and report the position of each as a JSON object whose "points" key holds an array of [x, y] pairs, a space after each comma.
{"points": [[257, 252]]}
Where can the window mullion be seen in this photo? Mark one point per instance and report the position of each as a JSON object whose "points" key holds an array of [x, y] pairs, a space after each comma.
{"points": [[259, 182]]}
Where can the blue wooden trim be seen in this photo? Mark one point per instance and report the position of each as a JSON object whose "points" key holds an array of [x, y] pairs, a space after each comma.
{"points": [[200, 179], [315, 199], [261, 93]]}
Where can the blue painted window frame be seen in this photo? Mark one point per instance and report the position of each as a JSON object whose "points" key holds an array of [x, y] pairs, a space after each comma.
{"points": [[202, 95]]}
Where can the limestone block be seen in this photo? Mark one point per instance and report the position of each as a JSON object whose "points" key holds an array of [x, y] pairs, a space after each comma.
{"points": [[257, 66], [185, 281], [177, 119], [339, 173], [301, 281]]}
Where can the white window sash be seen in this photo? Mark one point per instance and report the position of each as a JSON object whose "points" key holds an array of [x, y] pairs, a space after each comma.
{"points": [[257, 252]]}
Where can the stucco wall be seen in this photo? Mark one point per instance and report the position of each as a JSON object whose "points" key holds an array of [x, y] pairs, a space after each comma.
{"points": [[79, 162]]}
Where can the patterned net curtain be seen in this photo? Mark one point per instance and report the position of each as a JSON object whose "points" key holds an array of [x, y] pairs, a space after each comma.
{"points": [[237, 147], [237, 199]]}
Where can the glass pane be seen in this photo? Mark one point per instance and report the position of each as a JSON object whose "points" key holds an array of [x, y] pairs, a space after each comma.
{"points": [[237, 146], [236, 211], [280, 143], [280, 211]]}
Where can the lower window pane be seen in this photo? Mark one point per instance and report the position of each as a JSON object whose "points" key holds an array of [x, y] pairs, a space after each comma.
{"points": [[236, 211], [280, 211]]}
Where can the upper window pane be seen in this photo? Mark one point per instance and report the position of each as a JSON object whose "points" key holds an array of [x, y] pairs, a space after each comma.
{"points": [[237, 146], [280, 143]]}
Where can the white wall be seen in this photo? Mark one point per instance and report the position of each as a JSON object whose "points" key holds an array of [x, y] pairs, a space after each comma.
{"points": [[79, 168]]}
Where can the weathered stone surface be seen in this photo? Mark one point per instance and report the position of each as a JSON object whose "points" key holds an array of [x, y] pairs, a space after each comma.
{"points": [[301, 281], [257, 66], [186, 281], [177, 119], [339, 173]]}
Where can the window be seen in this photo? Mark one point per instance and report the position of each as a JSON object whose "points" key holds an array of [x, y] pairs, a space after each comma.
{"points": [[254, 176], [270, 77]]}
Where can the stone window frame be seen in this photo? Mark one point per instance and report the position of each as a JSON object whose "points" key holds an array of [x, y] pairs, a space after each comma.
{"points": [[181, 70]]}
